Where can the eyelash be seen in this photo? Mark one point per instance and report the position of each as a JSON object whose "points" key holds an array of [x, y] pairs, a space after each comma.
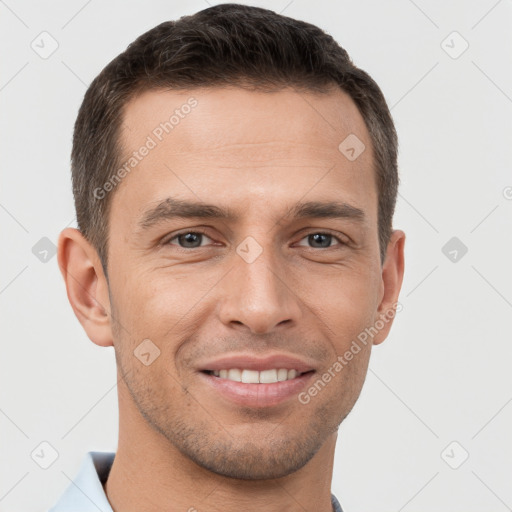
{"points": [[202, 232]]}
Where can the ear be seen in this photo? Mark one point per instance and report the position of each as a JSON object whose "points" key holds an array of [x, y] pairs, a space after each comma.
{"points": [[86, 285], [392, 277]]}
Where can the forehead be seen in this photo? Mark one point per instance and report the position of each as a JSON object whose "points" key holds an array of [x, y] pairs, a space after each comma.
{"points": [[241, 147], [241, 116]]}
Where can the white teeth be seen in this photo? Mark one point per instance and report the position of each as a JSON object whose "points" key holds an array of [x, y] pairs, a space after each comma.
{"points": [[251, 376], [282, 374], [235, 374], [256, 377], [292, 374], [268, 376]]}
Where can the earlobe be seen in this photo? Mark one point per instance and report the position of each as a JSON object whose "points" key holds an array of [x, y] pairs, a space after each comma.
{"points": [[86, 285], [392, 277]]}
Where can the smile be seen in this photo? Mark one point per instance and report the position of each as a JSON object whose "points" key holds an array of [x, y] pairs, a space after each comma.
{"points": [[256, 377]]}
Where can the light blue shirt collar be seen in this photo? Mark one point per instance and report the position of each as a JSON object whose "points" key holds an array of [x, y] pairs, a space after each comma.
{"points": [[85, 493]]}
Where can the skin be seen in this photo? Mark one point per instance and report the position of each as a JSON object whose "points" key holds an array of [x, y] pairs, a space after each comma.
{"points": [[181, 445]]}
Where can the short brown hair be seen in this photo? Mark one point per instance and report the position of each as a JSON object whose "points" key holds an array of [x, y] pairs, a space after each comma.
{"points": [[224, 45]]}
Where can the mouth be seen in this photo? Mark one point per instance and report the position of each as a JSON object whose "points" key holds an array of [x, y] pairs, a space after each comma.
{"points": [[251, 380], [248, 376]]}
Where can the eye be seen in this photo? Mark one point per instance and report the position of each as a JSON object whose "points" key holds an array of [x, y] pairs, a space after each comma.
{"points": [[189, 239], [322, 240]]}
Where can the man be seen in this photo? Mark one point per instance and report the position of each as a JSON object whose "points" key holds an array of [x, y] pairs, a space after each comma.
{"points": [[235, 179]]}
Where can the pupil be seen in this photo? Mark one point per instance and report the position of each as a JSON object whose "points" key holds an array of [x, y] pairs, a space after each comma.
{"points": [[190, 238], [318, 237]]}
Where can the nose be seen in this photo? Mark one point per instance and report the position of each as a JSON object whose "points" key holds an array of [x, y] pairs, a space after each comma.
{"points": [[259, 295]]}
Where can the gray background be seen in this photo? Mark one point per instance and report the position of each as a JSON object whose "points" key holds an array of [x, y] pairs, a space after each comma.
{"points": [[443, 375]]}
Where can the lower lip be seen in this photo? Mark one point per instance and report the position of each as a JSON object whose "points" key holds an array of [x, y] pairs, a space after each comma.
{"points": [[257, 395]]}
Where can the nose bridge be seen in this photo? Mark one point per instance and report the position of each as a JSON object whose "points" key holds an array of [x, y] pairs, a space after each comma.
{"points": [[259, 279], [257, 294]]}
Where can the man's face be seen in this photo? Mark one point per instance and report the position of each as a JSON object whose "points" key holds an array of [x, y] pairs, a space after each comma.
{"points": [[264, 282]]}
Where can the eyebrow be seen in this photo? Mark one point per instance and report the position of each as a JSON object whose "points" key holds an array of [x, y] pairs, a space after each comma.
{"points": [[172, 208]]}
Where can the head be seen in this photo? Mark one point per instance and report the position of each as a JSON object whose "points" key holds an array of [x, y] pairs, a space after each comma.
{"points": [[235, 177]]}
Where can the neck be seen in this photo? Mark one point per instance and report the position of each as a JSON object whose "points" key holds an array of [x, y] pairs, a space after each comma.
{"points": [[151, 474]]}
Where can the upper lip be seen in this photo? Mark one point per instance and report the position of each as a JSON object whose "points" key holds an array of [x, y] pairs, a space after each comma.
{"points": [[251, 362]]}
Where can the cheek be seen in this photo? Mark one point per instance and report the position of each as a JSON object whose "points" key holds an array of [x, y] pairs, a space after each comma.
{"points": [[347, 305], [162, 305], [348, 308], [145, 296]]}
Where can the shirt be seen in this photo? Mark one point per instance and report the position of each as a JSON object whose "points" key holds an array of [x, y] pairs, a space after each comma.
{"points": [[86, 494]]}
